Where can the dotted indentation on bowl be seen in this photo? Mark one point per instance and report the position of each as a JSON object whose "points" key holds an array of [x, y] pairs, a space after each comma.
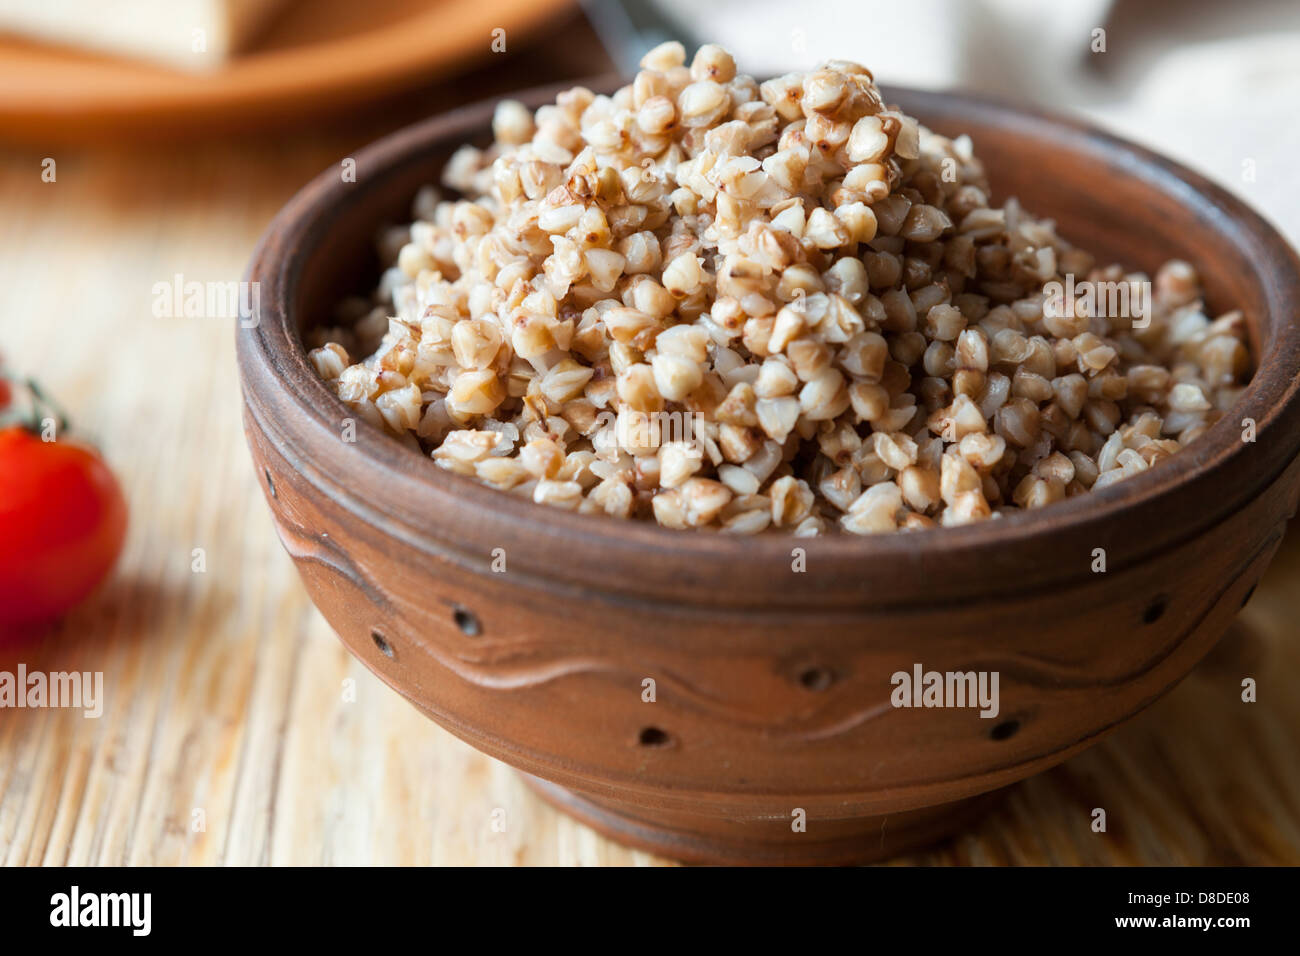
{"points": [[1155, 610], [1005, 730], [384, 645], [467, 621], [816, 678], [653, 737]]}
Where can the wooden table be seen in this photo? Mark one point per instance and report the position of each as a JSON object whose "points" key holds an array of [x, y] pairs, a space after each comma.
{"points": [[236, 730]]}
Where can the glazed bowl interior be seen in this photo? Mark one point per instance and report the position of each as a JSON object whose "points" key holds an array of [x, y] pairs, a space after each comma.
{"points": [[1110, 197]]}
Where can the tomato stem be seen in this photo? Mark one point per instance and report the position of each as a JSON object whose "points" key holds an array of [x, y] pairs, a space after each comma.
{"points": [[39, 408]]}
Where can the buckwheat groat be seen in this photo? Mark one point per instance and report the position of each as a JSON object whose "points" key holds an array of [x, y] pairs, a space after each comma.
{"points": [[721, 304]]}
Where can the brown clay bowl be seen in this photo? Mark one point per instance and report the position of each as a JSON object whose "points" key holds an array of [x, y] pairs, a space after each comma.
{"points": [[772, 688]]}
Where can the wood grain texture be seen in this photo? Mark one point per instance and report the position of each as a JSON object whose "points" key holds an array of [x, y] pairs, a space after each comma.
{"points": [[226, 690]]}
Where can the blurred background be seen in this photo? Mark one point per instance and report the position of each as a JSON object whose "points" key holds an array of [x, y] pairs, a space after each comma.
{"points": [[142, 140], [1212, 84]]}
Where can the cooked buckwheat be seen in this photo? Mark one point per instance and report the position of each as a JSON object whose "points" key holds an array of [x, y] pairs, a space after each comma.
{"points": [[731, 305]]}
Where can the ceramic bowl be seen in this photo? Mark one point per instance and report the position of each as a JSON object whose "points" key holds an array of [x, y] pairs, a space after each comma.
{"points": [[539, 636]]}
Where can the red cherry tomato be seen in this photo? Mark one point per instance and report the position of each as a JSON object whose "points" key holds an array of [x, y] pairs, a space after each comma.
{"points": [[62, 522]]}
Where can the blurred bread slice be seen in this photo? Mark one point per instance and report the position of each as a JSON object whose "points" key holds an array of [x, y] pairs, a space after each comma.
{"points": [[194, 35]]}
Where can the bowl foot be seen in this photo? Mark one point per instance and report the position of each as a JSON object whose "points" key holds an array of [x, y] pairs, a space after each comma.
{"points": [[768, 841]]}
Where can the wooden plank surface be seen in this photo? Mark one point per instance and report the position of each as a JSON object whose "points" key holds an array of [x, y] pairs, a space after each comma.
{"points": [[236, 729]]}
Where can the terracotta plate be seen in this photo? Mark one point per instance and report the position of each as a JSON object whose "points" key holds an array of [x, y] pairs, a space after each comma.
{"points": [[318, 55]]}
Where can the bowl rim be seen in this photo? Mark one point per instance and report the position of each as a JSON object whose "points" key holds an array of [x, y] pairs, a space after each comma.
{"points": [[270, 349]]}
